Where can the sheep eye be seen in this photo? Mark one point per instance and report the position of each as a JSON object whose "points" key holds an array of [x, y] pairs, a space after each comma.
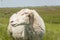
{"points": [[26, 13]]}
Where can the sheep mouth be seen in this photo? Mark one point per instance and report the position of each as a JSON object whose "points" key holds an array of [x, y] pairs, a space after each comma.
{"points": [[15, 25]]}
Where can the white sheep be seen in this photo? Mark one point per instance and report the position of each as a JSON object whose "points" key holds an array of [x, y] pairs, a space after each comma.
{"points": [[26, 25]]}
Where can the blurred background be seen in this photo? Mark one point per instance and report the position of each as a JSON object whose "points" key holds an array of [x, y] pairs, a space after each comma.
{"points": [[49, 10]]}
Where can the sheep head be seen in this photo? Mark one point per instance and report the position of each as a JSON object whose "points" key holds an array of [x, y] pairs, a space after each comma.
{"points": [[22, 17]]}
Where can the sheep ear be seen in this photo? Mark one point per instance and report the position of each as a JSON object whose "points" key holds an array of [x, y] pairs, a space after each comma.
{"points": [[31, 18], [36, 17], [35, 14]]}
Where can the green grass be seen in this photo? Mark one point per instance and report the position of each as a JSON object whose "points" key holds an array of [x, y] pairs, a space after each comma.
{"points": [[51, 16], [52, 32]]}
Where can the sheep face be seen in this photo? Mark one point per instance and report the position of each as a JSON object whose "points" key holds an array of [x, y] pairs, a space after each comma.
{"points": [[23, 18]]}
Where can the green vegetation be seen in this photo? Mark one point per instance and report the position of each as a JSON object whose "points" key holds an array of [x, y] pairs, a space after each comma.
{"points": [[51, 16]]}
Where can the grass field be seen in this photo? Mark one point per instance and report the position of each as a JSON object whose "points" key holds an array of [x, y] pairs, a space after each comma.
{"points": [[51, 16]]}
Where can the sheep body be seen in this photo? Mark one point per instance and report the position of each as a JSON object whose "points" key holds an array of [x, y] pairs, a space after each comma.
{"points": [[31, 25]]}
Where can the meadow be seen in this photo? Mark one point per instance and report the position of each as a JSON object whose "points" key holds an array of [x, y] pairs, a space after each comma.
{"points": [[50, 15]]}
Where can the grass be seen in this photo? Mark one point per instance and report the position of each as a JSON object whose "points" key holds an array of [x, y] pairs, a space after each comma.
{"points": [[51, 16], [52, 32]]}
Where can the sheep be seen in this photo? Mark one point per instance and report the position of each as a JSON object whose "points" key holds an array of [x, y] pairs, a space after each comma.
{"points": [[26, 25]]}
